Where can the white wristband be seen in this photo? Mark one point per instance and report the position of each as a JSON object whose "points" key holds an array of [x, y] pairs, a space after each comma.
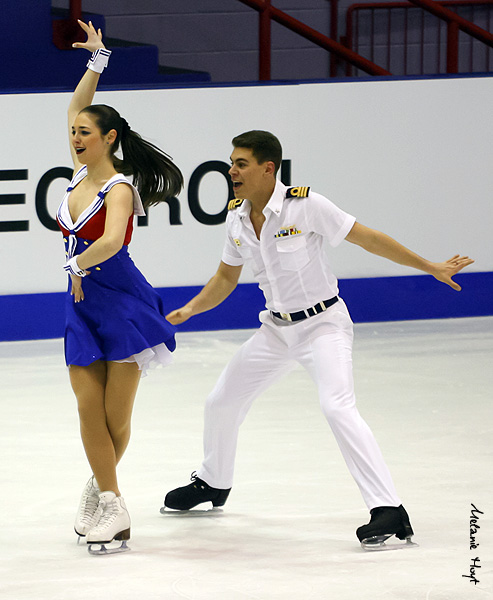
{"points": [[73, 268], [99, 60]]}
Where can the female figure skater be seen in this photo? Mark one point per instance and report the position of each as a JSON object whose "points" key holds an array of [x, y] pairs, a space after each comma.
{"points": [[115, 326]]}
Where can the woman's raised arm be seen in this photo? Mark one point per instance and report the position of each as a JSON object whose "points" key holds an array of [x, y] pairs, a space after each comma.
{"points": [[84, 92]]}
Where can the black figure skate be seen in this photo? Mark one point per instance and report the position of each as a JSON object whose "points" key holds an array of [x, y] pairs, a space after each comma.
{"points": [[385, 522], [197, 492]]}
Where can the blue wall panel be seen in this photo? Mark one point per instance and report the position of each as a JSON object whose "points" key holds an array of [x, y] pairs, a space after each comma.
{"points": [[41, 316]]}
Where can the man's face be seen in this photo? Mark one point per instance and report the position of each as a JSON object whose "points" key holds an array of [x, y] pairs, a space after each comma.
{"points": [[250, 179]]}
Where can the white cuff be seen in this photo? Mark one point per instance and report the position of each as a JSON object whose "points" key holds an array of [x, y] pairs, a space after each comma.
{"points": [[99, 60], [73, 268]]}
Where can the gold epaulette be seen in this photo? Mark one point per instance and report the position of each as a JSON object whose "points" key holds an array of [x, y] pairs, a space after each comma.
{"points": [[297, 192], [235, 203]]}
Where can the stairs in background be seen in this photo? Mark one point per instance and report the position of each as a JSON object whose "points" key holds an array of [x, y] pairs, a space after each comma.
{"points": [[32, 62]]}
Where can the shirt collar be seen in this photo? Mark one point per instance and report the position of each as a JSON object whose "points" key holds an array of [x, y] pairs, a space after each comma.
{"points": [[277, 199], [244, 209], [274, 204]]}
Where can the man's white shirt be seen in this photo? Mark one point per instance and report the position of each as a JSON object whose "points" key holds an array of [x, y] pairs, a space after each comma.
{"points": [[289, 261]]}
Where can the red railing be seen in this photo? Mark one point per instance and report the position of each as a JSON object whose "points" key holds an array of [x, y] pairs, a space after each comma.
{"points": [[67, 31], [75, 9], [268, 13], [441, 10]]}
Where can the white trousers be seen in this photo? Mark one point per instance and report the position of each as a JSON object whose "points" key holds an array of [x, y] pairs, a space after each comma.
{"points": [[323, 346]]}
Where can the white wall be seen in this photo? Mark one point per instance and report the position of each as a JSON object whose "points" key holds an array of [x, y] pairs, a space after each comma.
{"points": [[412, 158]]}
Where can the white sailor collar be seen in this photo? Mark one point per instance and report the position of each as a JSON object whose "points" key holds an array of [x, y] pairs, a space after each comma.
{"points": [[64, 215], [65, 218]]}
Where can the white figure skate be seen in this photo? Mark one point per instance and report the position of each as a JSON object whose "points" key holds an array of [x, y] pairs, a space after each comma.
{"points": [[113, 525], [87, 517]]}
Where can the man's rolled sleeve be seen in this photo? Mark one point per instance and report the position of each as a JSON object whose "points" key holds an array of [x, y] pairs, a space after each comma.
{"points": [[328, 220], [230, 255]]}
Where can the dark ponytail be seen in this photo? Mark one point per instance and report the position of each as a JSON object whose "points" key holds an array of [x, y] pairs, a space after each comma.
{"points": [[154, 174]]}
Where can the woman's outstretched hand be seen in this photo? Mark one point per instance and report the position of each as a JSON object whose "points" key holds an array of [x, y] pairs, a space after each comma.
{"points": [[94, 38]]}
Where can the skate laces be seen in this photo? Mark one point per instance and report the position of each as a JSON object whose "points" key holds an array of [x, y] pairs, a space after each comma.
{"points": [[201, 484], [89, 503], [109, 512]]}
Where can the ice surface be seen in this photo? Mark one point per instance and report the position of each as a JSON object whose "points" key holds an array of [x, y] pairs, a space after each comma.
{"points": [[288, 528]]}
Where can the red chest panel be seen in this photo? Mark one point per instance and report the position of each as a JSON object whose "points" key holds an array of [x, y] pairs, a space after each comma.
{"points": [[94, 228]]}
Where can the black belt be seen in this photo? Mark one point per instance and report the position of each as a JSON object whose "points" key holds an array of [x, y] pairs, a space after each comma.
{"points": [[308, 312]]}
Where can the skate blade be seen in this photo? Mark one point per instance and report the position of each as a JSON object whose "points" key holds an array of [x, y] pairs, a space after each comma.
{"points": [[377, 544], [96, 549], [206, 508], [80, 536]]}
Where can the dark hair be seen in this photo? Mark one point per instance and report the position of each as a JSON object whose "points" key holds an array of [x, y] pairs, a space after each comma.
{"points": [[263, 144], [154, 174]]}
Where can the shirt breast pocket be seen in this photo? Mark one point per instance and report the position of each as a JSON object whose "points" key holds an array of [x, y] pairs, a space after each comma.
{"points": [[292, 252]]}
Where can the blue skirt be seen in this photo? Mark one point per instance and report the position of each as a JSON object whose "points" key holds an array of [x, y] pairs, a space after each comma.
{"points": [[121, 313]]}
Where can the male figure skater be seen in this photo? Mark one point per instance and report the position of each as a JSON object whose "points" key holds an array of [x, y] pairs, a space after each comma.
{"points": [[280, 231]]}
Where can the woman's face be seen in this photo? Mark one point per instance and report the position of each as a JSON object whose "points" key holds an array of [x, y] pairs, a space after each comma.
{"points": [[89, 144]]}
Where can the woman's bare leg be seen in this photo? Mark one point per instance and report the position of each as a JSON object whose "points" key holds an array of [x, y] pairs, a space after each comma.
{"points": [[105, 394], [122, 381]]}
